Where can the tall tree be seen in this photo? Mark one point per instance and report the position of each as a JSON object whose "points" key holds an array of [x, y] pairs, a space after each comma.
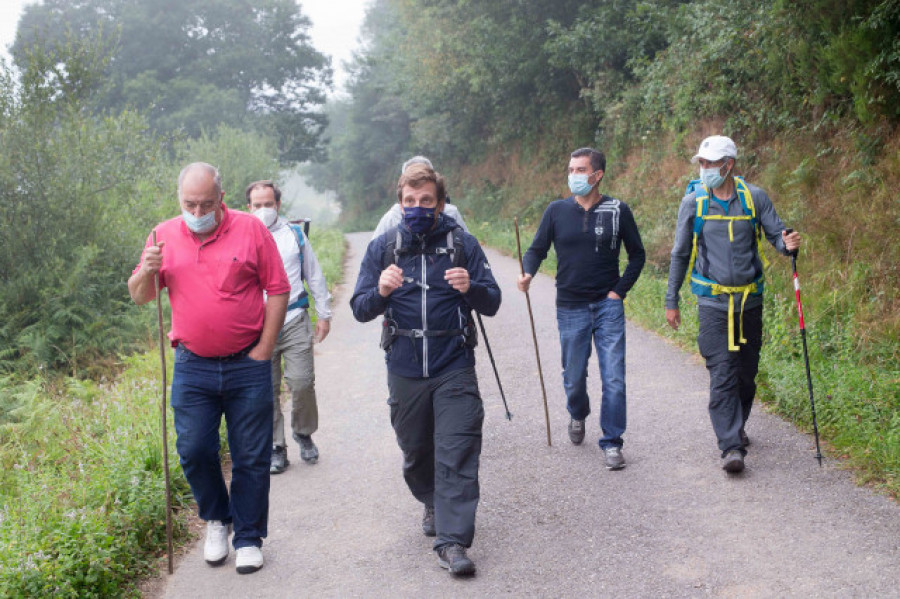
{"points": [[193, 64]]}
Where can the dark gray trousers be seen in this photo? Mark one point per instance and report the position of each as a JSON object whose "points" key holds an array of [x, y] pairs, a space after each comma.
{"points": [[732, 375], [438, 425]]}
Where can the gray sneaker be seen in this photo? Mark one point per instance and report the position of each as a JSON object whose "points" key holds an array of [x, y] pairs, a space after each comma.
{"points": [[615, 460], [308, 450], [576, 431], [745, 440], [279, 460], [428, 522], [733, 462]]}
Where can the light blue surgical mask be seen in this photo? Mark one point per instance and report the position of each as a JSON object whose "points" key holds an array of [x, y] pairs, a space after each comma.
{"points": [[203, 224], [712, 176], [578, 184]]}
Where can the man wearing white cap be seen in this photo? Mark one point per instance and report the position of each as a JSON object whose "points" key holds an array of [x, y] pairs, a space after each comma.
{"points": [[721, 221]]}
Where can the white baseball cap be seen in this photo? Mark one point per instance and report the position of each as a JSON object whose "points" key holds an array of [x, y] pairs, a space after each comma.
{"points": [[715, 148]]}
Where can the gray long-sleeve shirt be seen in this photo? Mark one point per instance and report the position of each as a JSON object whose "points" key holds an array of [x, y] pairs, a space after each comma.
{"points": [[727, 262]]}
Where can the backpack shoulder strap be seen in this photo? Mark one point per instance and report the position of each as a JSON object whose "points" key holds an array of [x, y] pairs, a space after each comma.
{"points": [[692, 186], [702, 199], [392, 247], [297, 232], [749, 208], [459, 252], [300, 243]]}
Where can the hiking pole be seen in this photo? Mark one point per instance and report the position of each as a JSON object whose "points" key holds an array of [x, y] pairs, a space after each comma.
{"points": [[165, 438], [537, 353], [487, 345], [812, 402]]}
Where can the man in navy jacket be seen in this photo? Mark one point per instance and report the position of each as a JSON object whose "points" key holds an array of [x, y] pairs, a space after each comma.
{"points": [[426, 276]]}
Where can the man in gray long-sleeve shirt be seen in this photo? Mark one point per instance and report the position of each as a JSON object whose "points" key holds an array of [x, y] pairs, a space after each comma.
{"points": [[726, 270]]}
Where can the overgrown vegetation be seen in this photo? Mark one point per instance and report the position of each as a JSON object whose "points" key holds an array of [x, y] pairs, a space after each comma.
{"points": [[498, 94], [82, 493], [82, 504], [82, 499]]}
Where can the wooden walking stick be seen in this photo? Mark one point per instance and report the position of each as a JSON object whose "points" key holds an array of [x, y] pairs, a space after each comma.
{"points": [[162, 411], [537, 353]]}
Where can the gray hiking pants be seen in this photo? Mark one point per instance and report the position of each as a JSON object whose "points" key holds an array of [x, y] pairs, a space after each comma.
{"points": [[438, 425], [732, 375], [295, 347]]}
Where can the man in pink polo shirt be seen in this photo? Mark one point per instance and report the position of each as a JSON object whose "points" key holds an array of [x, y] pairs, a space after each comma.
{"points": [[216, 263]]}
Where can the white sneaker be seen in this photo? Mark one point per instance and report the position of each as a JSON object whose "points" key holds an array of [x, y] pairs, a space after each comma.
{"points": [[215, 550], [248, 560]]}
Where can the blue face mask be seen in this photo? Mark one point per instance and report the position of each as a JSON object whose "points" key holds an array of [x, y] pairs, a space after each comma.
{"points": [[203, 224], [578, 184], [712, 177], [419, 219]]}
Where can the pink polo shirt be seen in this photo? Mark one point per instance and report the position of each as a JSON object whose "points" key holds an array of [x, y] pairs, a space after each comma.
{"points": [[215, 286]]}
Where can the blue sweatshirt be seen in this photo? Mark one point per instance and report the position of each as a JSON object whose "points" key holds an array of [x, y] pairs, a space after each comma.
{"points": [[587, 244]]}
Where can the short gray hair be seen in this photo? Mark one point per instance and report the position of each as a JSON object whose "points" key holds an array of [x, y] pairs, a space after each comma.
{"points": [[416, 160], [203, 166]]}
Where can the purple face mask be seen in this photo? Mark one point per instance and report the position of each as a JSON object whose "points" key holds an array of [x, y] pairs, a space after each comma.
{"points": [[419, 219]]}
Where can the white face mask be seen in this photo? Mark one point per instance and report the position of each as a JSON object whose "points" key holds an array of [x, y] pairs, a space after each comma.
{"points": [[267, 215]]}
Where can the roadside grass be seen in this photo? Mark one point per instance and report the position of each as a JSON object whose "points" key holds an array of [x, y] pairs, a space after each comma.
{"points": [[857, 400], [82, 489], [82, 499]]}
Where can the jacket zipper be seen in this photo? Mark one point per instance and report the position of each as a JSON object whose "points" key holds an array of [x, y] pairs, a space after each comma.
{"points": [[424, 317]]}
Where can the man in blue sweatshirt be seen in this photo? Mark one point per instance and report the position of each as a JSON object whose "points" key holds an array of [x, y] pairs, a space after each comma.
{"points": [[587, 229]]}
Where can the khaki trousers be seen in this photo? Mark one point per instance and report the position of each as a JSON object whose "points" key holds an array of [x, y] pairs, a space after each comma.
{"points": [[295, 349]]}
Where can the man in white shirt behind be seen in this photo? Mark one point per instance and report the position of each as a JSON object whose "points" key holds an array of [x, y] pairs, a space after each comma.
{"points": [[393, 216], [295, 342]]}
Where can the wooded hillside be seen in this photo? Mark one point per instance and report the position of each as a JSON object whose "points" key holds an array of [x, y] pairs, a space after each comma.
{"points": [[498, 93]]}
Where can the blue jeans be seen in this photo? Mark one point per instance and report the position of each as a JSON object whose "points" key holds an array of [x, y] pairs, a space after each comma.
{"points": [[204, 389], [604, 322]]}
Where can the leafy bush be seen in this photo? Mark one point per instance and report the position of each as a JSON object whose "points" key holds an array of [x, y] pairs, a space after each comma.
{"points": [[79, 194], [82, 504], [241, 156]]}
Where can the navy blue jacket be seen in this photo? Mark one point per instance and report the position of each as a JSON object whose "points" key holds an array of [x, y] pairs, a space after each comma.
{"points": [[428, 301], [587, 244]]}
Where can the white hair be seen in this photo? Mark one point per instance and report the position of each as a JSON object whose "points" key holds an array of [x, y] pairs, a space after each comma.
{"points": [[416, 160]]}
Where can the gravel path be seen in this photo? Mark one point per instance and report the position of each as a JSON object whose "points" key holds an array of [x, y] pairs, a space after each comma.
{"points": [[553, 522]]}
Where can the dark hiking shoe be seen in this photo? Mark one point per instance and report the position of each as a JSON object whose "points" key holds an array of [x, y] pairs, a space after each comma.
{"points": [[745, 440], [308, 450], [733, 462], [615, 459], [576, 431], [279, 460], [428, 521], [453, 558]]}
